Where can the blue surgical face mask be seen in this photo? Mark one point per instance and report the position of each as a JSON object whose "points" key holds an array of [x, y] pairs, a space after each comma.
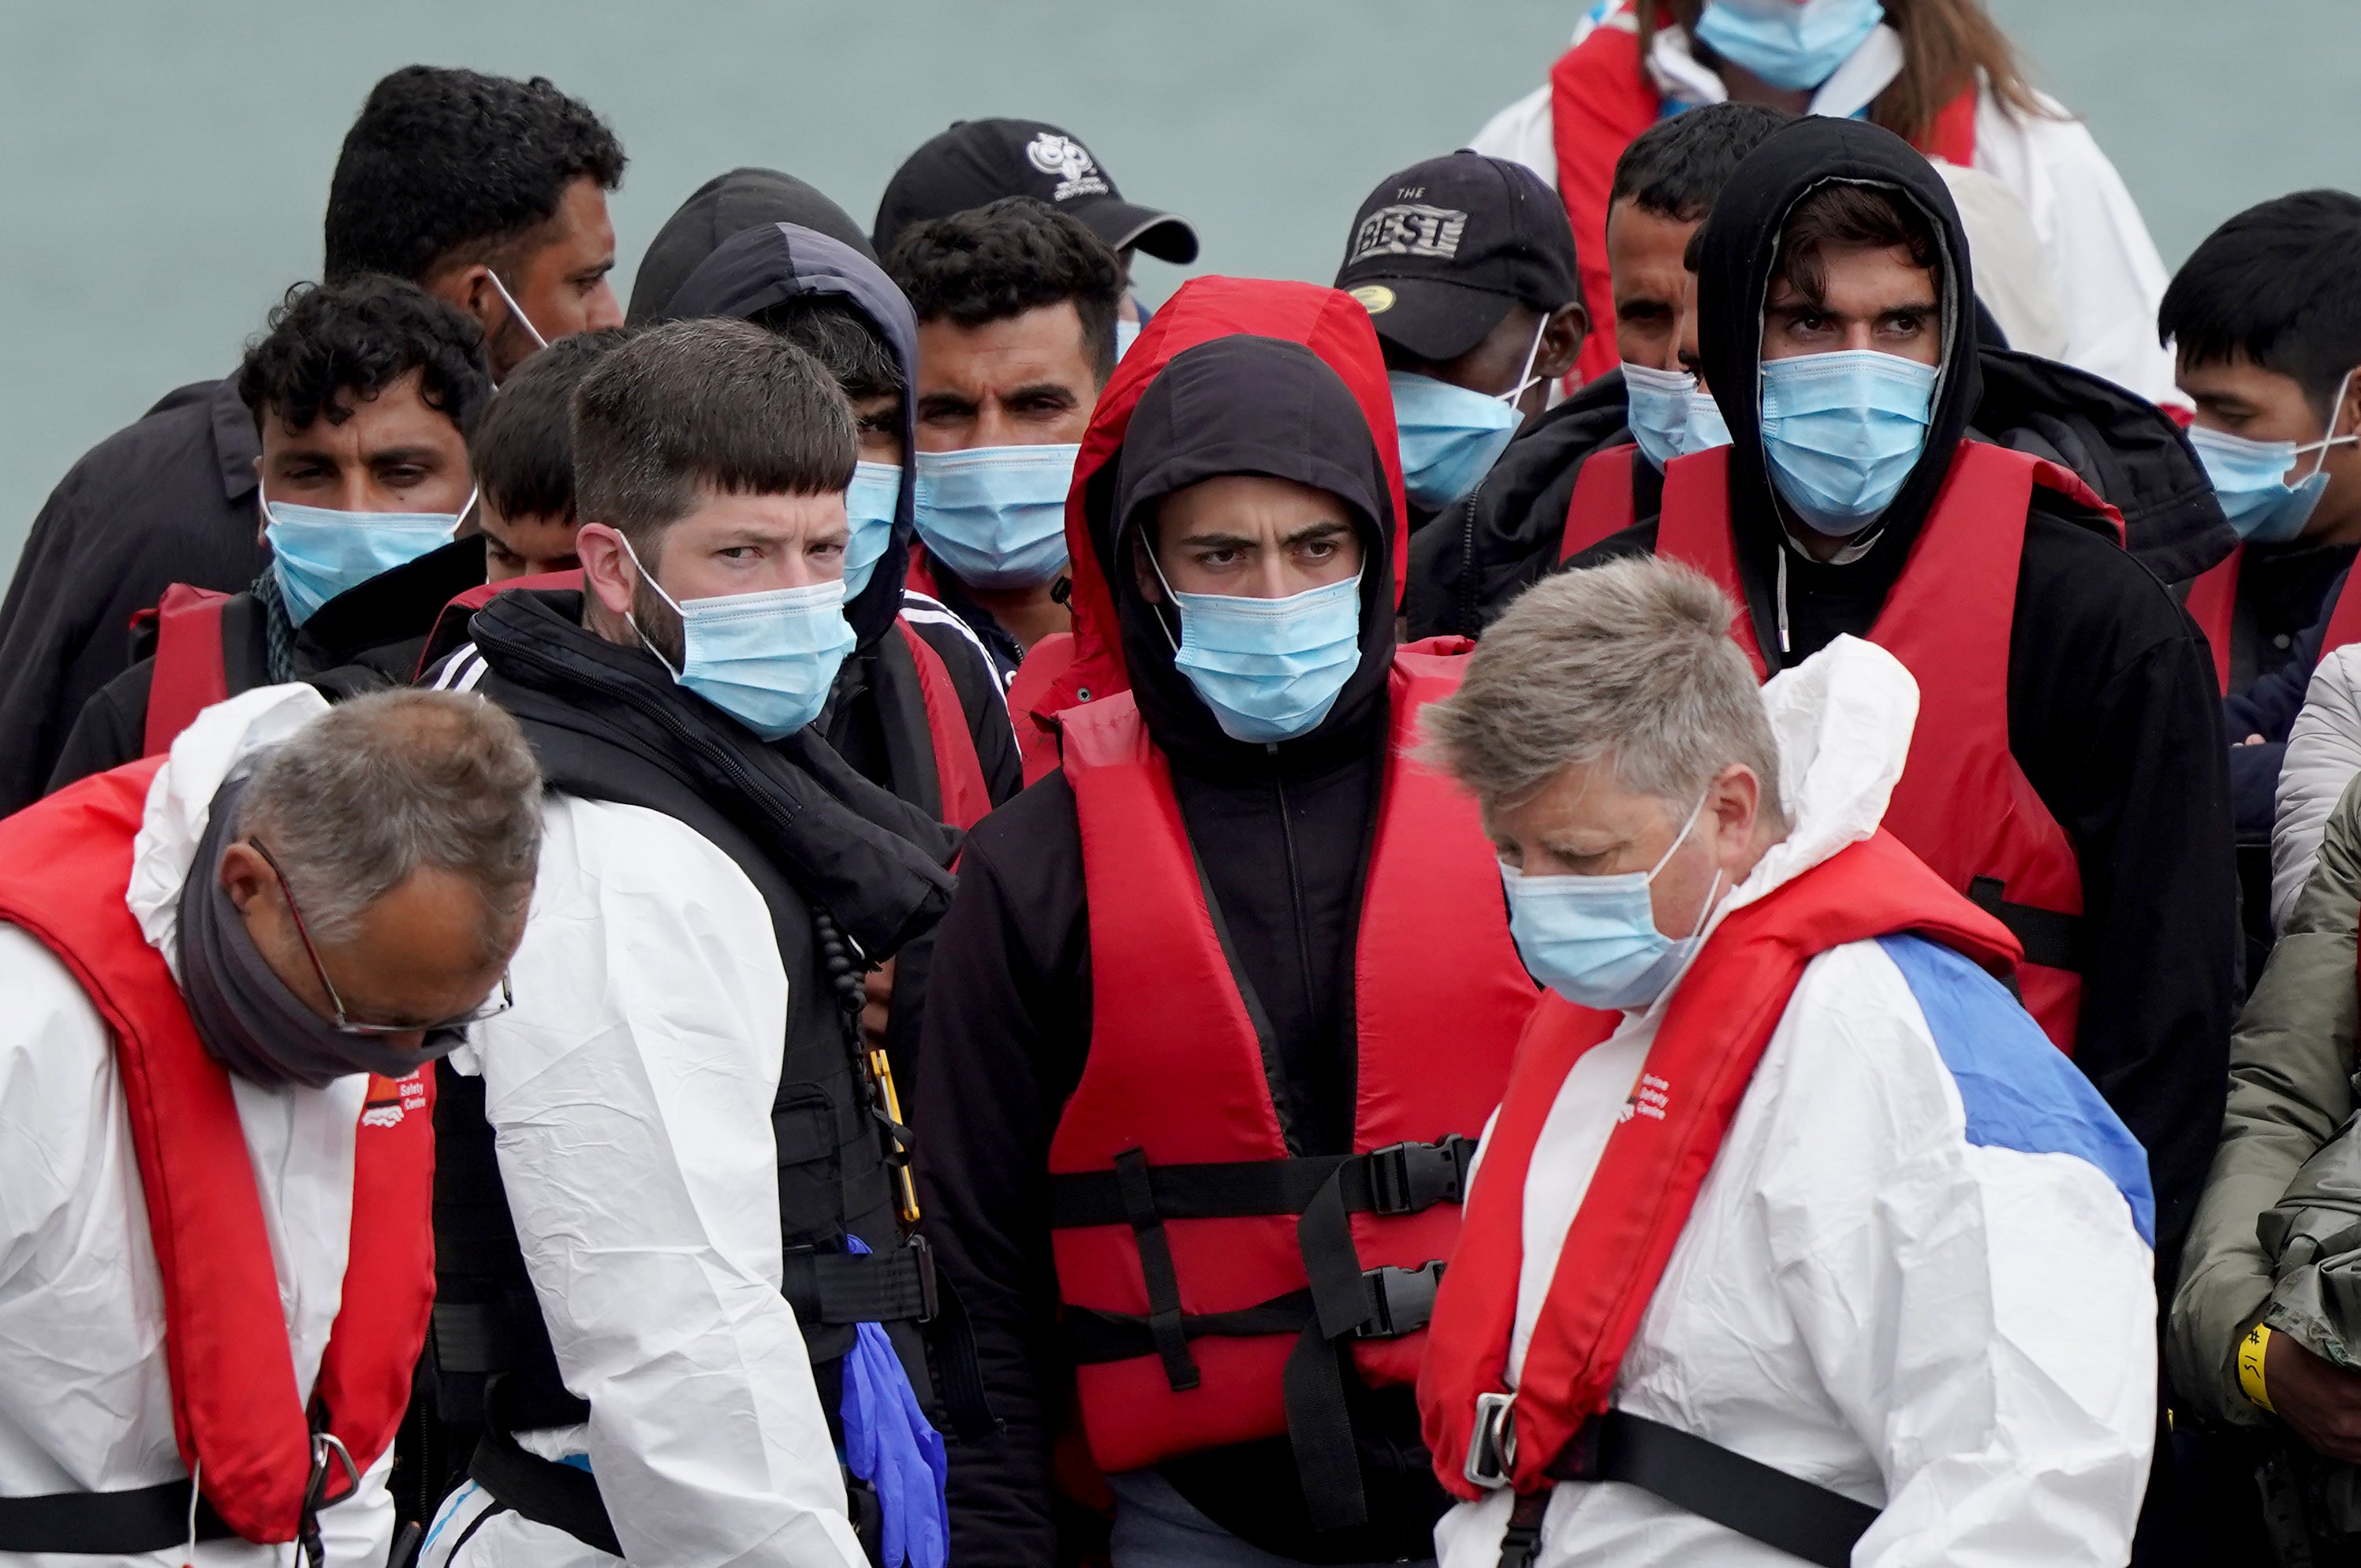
{"points": [[766, 659], [1592, 939], [1269, 669], [1656, 407], [1707, 429], [2250, 478], [995, 515], [1841, 433], [317, 553], [1788, 45], [869, 520], [1450, 436]]}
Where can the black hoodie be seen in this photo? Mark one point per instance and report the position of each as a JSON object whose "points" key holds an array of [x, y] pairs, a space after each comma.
{"points": [[2112, 710], [876, 716], [1282, 833]]}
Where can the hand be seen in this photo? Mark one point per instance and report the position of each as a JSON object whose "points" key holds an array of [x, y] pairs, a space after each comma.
{"points": [[2252, 740], [880, 1009], [2320, 1401]]}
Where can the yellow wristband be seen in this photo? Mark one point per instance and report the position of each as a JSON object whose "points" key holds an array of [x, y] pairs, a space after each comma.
{"points": [[2251, 1351]]}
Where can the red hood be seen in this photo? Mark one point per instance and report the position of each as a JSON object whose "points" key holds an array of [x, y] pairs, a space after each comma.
{"points": [[1329, 324]]}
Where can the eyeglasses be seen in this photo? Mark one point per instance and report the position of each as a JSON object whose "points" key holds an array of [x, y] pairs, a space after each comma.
{"points": [[345, 1026]]}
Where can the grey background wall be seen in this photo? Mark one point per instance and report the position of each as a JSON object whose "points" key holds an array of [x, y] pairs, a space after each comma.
{"points": [[163, 166]]}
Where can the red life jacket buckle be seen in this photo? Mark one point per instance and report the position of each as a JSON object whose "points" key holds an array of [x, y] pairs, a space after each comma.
{"points": [[1492, 1447], [1407, 1179]]}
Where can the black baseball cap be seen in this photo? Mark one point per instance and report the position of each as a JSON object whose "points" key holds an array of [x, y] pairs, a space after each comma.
{"points": [[977, 162], [1440, 250], [725, 204]]}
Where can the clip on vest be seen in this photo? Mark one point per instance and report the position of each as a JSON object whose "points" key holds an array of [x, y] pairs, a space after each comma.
{"points": [[1492, 1452]]}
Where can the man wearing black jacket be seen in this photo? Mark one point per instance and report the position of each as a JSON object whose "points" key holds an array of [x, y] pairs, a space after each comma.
{"points": [[362, 396], [1090, 1016], [2110, 706], [489, 192]]}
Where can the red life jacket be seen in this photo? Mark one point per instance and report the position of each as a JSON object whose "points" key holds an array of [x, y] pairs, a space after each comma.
{"points": [[2213, 604], [1714, 1032], [449, 633], [190, 673], [958, 770], [2344, 621], [1203, 1268], [1963, 803], [1601, 97], [65, 866], [1601, 506], [1029, 703]]}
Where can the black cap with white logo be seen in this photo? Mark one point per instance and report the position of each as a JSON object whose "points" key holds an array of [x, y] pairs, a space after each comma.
{"points": [[977, 162], [1440, 250]]}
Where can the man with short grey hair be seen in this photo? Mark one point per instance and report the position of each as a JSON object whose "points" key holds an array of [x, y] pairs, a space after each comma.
{"points": [[226, 970], [1791, 1219]]}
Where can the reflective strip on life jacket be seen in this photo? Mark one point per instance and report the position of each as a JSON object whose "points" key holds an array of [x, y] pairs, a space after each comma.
{"points": [[2213, 604], [960, 771], [1715, 1029], [1601, 506], [1211, 1272], [190, 672], [65, 869], [1963, 803]]}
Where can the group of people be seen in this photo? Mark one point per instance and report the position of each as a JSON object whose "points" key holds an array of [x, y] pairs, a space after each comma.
{"points": [[1668, 879]]}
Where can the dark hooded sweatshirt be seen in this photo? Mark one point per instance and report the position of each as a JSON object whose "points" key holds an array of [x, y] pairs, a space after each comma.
{"points": [[2112, 710], [876, 716], [1282, 833], [167, 499], [366, 639]]}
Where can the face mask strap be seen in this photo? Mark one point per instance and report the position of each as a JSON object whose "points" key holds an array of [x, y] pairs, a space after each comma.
{"points": [[632, 622], [516, 312], [1682, 837], [1157, 567], [1525, 376], [2329, 437]]}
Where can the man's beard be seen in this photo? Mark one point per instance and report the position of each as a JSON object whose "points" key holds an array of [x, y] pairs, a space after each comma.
{"points": [[659, 624]]}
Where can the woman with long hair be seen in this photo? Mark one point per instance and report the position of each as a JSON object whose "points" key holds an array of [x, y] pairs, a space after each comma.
{"points": [[1938, 72]]}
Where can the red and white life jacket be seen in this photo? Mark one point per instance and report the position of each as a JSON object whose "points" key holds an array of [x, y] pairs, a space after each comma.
{"points": [[1601, 506], [65, 868], [1963, 802], [1601, 97], [1713, 1033], [1196, 1255]]}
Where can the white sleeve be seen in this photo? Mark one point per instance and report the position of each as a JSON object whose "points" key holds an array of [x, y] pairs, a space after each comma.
{"points": [[1980, 1311], [2324, 753], [358, 1531], [56, 1085], [1525, 132], [631, 1092], [2109, 276]]}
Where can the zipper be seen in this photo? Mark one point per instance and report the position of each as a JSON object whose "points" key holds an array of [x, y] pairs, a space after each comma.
{"points": [[1295, 888], [1467, 585]]}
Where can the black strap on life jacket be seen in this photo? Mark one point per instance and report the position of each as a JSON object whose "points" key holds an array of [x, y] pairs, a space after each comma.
{"points": [[1793, 1516], [144, 1518], [1344, 1302]]}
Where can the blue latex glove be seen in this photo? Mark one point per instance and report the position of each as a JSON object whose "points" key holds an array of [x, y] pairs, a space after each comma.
{"points": [[889, 1443]]}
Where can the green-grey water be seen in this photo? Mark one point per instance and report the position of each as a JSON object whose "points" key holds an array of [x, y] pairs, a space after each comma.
{"points": [[163, 165]]}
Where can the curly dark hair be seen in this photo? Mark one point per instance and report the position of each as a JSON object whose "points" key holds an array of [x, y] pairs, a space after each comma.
{"points": [[447, 167], [522, 452], [330, 344], [1016, 254]]}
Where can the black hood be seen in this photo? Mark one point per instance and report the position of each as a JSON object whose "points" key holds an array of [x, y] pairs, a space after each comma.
{"points": [[1246, 405], [1737, 253], [726, 204], [757, 268]]}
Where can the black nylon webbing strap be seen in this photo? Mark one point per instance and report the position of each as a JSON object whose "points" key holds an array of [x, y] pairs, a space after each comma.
{"points": [[1156, 1271], [1780, 1510], [1402, 1179], [2050, 939], [856, 1287], [472, 1337], [959, 1370], [542, 1490], [1520, 1543], [1324, 1235], [1094, 1337], [1320, 1432], [144, 1518]]}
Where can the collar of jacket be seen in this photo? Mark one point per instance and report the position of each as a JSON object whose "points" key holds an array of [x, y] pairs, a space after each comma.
{"points": [[872, 859]]}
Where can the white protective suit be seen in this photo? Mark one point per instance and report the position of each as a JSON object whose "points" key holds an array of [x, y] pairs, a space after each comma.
{"points": [[1905, 1278], [85, 1403], [631, 1091], [2106, 275]]}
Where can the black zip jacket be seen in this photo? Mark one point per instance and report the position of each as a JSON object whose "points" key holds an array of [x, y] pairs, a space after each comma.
{"points": [[1282, 833]]}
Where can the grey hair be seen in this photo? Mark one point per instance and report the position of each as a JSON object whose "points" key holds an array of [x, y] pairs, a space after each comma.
{"points": [[359, 798], [1630, 661]]}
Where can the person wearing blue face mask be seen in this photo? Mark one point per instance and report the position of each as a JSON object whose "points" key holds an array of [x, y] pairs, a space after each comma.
{"points": [[1777, 1049], [1227, 929], [716, 879], [1016, 305], [364, 395], [1467, 269], [2067, 769]]}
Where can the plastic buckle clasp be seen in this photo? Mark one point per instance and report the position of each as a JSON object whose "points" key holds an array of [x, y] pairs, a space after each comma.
{"points": [[1405, 1179], [1492, 1449], [1402, 1301]]}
